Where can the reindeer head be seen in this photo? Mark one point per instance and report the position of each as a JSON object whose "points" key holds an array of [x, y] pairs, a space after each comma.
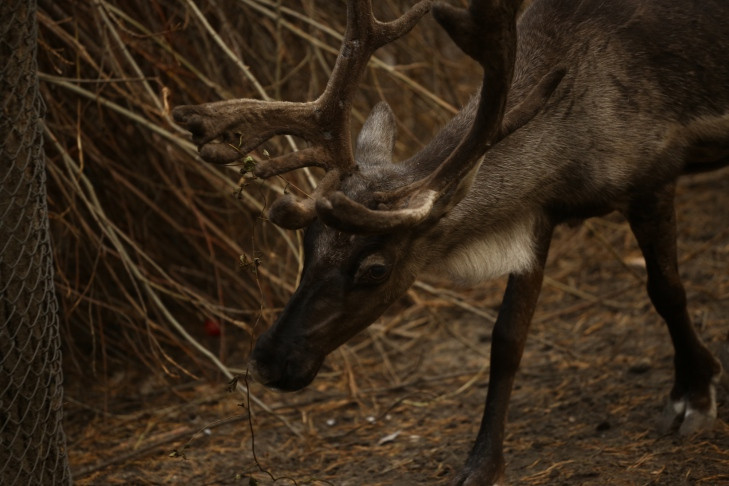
{"points": [[349, 279], [371, 225]]}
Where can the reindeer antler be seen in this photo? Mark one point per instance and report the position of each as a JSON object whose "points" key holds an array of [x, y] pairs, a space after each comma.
{"points": [[486, 31], [227, 130]]}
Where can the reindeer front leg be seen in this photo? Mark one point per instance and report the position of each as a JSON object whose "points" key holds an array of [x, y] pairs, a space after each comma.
{"points": [[485, 464]]}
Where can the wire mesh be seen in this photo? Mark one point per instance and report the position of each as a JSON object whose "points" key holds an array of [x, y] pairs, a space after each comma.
{"points": [[31, 437]]}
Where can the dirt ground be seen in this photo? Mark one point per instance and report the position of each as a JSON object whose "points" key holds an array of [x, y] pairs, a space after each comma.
{"points": [[401, 403]]}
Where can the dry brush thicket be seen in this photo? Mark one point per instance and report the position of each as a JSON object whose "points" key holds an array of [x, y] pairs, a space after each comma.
{"points": [[149, 242]]}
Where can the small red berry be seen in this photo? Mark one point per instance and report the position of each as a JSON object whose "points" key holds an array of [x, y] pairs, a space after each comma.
{"points": [[212, 327]]}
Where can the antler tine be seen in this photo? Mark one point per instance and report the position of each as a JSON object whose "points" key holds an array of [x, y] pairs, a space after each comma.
{"points": [[363, 36], [227, 130], [485, 31], [292, 213]]}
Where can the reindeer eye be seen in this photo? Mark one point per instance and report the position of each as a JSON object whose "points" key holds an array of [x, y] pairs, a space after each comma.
{"points": [[372, 272], [376, 273], [373, 269]]}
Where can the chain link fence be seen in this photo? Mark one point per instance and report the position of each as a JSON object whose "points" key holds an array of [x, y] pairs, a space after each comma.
{"points": [[32, 442]]}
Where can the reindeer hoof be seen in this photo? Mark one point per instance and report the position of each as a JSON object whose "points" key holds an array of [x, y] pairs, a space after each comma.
{"points": [[490, 476], [695, 422], [689, 418]]}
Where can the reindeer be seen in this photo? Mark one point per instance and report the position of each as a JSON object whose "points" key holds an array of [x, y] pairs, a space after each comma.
{"points": [[586, 107]]}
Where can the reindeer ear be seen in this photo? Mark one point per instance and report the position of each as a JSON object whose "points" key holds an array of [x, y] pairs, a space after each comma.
{"points": [[376, 140]]}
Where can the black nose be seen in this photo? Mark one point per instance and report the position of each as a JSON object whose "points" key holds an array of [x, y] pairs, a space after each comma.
{"points": [[264, 375], [274, 375], [282, 366], [265, 366]]}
